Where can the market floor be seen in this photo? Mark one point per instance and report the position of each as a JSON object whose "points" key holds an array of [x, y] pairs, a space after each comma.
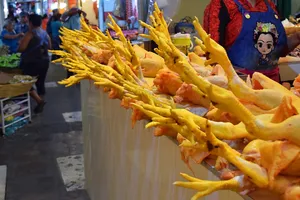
{"points": [[43, 161]]}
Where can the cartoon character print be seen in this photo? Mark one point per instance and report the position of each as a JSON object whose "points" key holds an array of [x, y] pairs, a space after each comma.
{"points": [[265, 39]]}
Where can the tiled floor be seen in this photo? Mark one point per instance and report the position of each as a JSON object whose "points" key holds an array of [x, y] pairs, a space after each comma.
{"points": [[72, 171], [3, 171], [72, 116], [31, 154]]}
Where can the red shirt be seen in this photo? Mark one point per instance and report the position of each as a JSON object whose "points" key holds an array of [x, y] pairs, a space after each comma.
{"points": [[223, 20]]}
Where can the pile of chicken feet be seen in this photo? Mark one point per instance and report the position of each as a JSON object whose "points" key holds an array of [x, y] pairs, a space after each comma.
{"points": [[259, 113]]}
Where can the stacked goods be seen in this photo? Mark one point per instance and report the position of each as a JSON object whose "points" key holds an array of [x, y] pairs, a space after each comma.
{"points": [[21, 79], [252, 125]]}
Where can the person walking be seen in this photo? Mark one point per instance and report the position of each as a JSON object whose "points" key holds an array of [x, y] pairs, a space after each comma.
{"points": [[34, 58]]}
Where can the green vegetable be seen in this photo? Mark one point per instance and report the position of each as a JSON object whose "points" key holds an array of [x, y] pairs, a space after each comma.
{"points": [[10, 61]]}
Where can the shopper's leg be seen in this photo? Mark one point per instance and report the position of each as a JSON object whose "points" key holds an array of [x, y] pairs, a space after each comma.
{"points": [[40, 102], [32, 72], [35, 96], [40, 84]]}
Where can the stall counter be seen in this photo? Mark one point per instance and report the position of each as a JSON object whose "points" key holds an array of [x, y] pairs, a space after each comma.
{"points": [[131, 164]]}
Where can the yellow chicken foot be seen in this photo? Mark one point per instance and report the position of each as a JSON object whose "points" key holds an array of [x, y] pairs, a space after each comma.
{"points": [[72, 80], [107, 83], [145, 111], [146, 96], [120, 48], [125, 70], [207, 187], [226, 131], [160, 23], [257, 174]]}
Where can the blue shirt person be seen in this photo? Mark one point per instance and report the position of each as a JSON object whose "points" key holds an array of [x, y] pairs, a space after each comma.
{"points": [[71, 18], [73, 22], [9, 37], [22, 26], [55, 27]]}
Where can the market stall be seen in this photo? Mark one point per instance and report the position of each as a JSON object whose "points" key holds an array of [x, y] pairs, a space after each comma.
{"points": [[126, 163], [15, 108], [228, 134]]}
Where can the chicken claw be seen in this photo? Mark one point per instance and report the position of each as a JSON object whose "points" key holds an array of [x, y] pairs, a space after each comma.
{"points": [[217, 53], [207, 187]]}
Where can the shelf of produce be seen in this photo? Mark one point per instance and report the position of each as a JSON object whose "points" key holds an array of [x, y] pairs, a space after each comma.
{"points": [[132, 164]]}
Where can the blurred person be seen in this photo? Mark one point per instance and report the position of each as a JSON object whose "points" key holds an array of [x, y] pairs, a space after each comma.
{"points": [[9, 36], [55, 27], [44, 21], [71, 20], [34, 59], [48, 29], [22, 26], [11, 16]]}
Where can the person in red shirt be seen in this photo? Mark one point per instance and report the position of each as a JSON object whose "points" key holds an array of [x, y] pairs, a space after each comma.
{"points": [[252, 34]]}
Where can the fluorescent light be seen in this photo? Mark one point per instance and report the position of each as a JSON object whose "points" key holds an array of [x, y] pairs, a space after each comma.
{"points": [[5, 8], [54, 6], [62, 5], [38, 11]]}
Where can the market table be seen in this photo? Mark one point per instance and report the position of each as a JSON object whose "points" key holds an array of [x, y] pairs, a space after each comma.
{"points": [[131, 164]]}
